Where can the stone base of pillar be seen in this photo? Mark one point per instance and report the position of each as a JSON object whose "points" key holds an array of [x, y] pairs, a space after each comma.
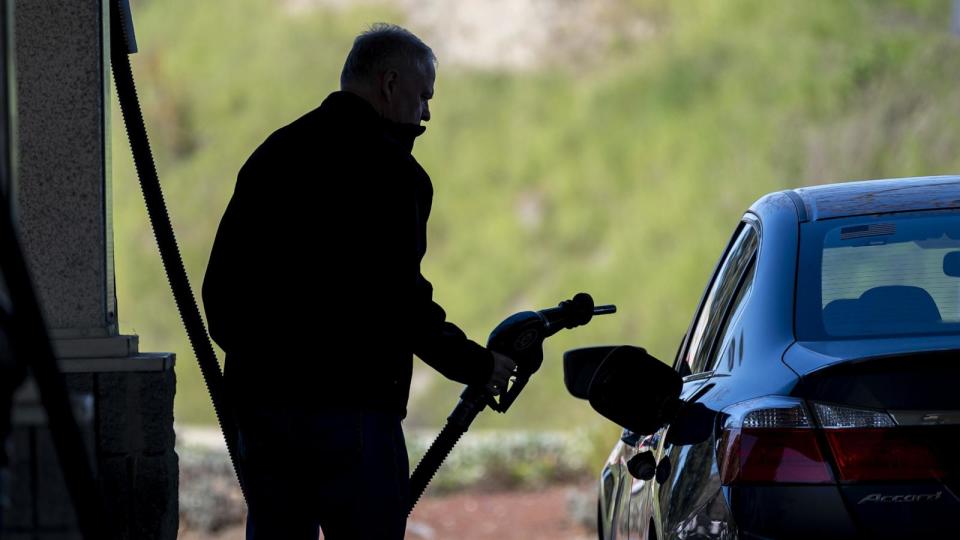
{"points": [[129, 425]]}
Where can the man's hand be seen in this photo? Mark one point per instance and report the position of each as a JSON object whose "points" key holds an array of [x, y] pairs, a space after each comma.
{"points": [[503, 368]]}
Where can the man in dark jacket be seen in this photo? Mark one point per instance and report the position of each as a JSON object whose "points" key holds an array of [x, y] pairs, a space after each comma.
{"points": [[314, 292]]}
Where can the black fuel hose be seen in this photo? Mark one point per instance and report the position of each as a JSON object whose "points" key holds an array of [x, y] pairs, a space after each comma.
{"points": [[471, 403], [166, 240], [448, 437]]}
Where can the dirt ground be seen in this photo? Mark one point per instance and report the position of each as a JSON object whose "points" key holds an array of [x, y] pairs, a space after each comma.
{"points": [[536, 515]]}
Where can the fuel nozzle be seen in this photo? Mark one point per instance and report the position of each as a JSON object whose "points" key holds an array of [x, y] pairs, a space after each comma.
{"points": [[521, 337], [577, 311]]}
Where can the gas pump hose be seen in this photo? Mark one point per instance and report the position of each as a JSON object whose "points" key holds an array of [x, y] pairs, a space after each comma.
{"points": [[166, 240]]}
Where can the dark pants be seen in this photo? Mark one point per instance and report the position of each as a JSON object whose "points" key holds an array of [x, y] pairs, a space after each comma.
{"points": [[344, 472]]}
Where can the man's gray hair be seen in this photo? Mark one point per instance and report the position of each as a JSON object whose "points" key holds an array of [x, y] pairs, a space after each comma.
{"points": [[382, 47]]}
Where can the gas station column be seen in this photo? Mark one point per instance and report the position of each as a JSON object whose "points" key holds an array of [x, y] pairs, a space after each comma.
{"points": [[63, 93]]}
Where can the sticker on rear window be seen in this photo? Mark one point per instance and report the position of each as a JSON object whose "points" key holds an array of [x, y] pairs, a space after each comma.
{"points": [[863, 231]]}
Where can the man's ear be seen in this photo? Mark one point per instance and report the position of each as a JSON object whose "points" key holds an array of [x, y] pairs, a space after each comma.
{"points": [[388, 85]]}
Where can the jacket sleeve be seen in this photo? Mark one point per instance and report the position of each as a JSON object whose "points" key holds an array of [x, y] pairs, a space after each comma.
{"points": [[443, 346], [422, 325]]}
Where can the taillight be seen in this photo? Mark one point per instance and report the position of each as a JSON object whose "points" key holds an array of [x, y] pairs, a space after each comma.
{"points": [[775, 439], [867, 445], [771, 440]]}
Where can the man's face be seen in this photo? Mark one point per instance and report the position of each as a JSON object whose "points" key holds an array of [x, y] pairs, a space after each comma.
{"points": [[409, 93]]}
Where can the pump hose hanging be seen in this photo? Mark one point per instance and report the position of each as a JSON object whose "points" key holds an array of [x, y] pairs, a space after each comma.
{"points": [[163, 231], [471, 403]]}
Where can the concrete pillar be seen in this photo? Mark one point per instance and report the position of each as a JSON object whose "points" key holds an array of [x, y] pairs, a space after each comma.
{"points": [[64, 205]]}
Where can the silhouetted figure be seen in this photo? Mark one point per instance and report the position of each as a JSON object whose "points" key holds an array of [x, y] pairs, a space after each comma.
{"points": [[314, 292]]}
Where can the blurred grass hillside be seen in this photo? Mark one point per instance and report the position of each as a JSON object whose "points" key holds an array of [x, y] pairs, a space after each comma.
{"points": [[617, 166]]}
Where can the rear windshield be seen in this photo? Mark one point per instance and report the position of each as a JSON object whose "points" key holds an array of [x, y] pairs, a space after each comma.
{"points": [[872, 276]]}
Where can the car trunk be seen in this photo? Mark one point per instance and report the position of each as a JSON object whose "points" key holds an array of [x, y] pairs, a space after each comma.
{"points": [[888, 422]]}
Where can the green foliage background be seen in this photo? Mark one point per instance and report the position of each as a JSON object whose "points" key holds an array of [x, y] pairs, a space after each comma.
{"points": [[621, 177]]}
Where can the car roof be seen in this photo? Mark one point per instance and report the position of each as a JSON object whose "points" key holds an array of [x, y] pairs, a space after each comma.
{"points": [[878, 196]]}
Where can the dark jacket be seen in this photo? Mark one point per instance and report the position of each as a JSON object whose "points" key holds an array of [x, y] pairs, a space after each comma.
{"points": [[313, 288]]}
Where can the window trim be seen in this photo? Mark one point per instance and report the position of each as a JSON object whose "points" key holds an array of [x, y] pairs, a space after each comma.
{"points": [[748, 220], [727, 322], [680, 359]]}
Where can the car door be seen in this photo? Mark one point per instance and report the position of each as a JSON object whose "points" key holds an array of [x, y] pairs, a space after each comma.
{"points": [[684, 468]]}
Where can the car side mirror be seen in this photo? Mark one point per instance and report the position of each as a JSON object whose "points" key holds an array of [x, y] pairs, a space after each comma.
{"points": [[579, 367], [624, 384]]}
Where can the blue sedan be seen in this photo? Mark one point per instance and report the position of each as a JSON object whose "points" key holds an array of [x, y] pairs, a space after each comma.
{"points": [[816, 389]]}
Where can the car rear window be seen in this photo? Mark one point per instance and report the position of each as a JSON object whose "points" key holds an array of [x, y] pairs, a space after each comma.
{"points": [[872, 276]]}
